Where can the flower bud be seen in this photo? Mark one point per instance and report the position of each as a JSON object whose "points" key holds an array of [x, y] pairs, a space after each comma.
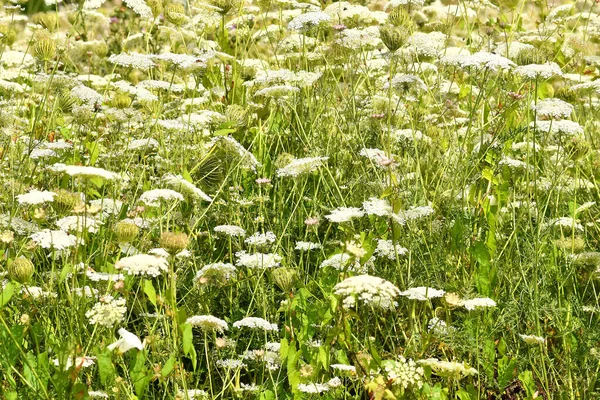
{"points": [[126, 232], [237, 115], [174, 242], [21, 270], [121, 101], [44, 48], [175, 14], [284, 278], [65, 201], [392, 37]]}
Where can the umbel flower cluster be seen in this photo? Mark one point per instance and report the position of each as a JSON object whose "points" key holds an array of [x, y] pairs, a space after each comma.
{"points": [[277, 199]]}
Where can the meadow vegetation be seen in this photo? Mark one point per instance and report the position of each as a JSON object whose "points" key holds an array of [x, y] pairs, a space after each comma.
{"points": [[295, 199]]}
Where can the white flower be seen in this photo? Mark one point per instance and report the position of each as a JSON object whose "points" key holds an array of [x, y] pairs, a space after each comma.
{"points": [[386, 248], [231, 230], [410, 136], [439, 326], [345, 214], [97, 394], [255, 323], [154, 197], [482, 59], [133, 60], [192, 394], [84, 172], [301, 166], [218, 271], [535, 71], [145, 144], [86, 95], [344, 368], [532, 339], [281, 91], [340, 261], [80, 362], [231, 364], [405, 82], [564, 222], [35, 196], [248, 160], [143, 264], [257, 260], [127, 342], [183, 61], [412, 214], [312, 387], [79, 223], [403, 372], [86, 291], [552, 108], [479, 302], [261, 239], [57, 240], [308, 20], [305, 246], [249, 388], [180, 184], [369, 290], [107, 312], [563, 126], [140, 7], [103, 276], [375, 206], [422, 293], [208, 322]]}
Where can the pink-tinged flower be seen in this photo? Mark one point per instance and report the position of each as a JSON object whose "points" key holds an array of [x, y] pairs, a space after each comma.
{"points": [[311, 221], [263, 181]]}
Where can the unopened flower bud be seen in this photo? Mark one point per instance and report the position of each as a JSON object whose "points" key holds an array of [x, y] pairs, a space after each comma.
{"points": [[21, 270], [126, 232], [174, 242], [284, 278]]}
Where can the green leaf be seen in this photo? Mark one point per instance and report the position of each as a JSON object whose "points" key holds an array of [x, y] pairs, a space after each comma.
{"points": [[105, 366], [463, 395], [7, 293], [293, 355], [187, 338], [267, 395], [150, 292], [186, 175], [485, 275], [526, 378], [64, 272], [168, 367], [79, 391], [139, 374], [194, 357], [223, 132], [506, 369]]}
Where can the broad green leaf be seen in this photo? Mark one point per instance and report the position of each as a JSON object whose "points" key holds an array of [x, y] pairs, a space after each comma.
{"points": [[187, 338], [267, 395], [506, 369], [105, 366], [168, 367], [7, 293], [150, 292], [223, 132]]}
